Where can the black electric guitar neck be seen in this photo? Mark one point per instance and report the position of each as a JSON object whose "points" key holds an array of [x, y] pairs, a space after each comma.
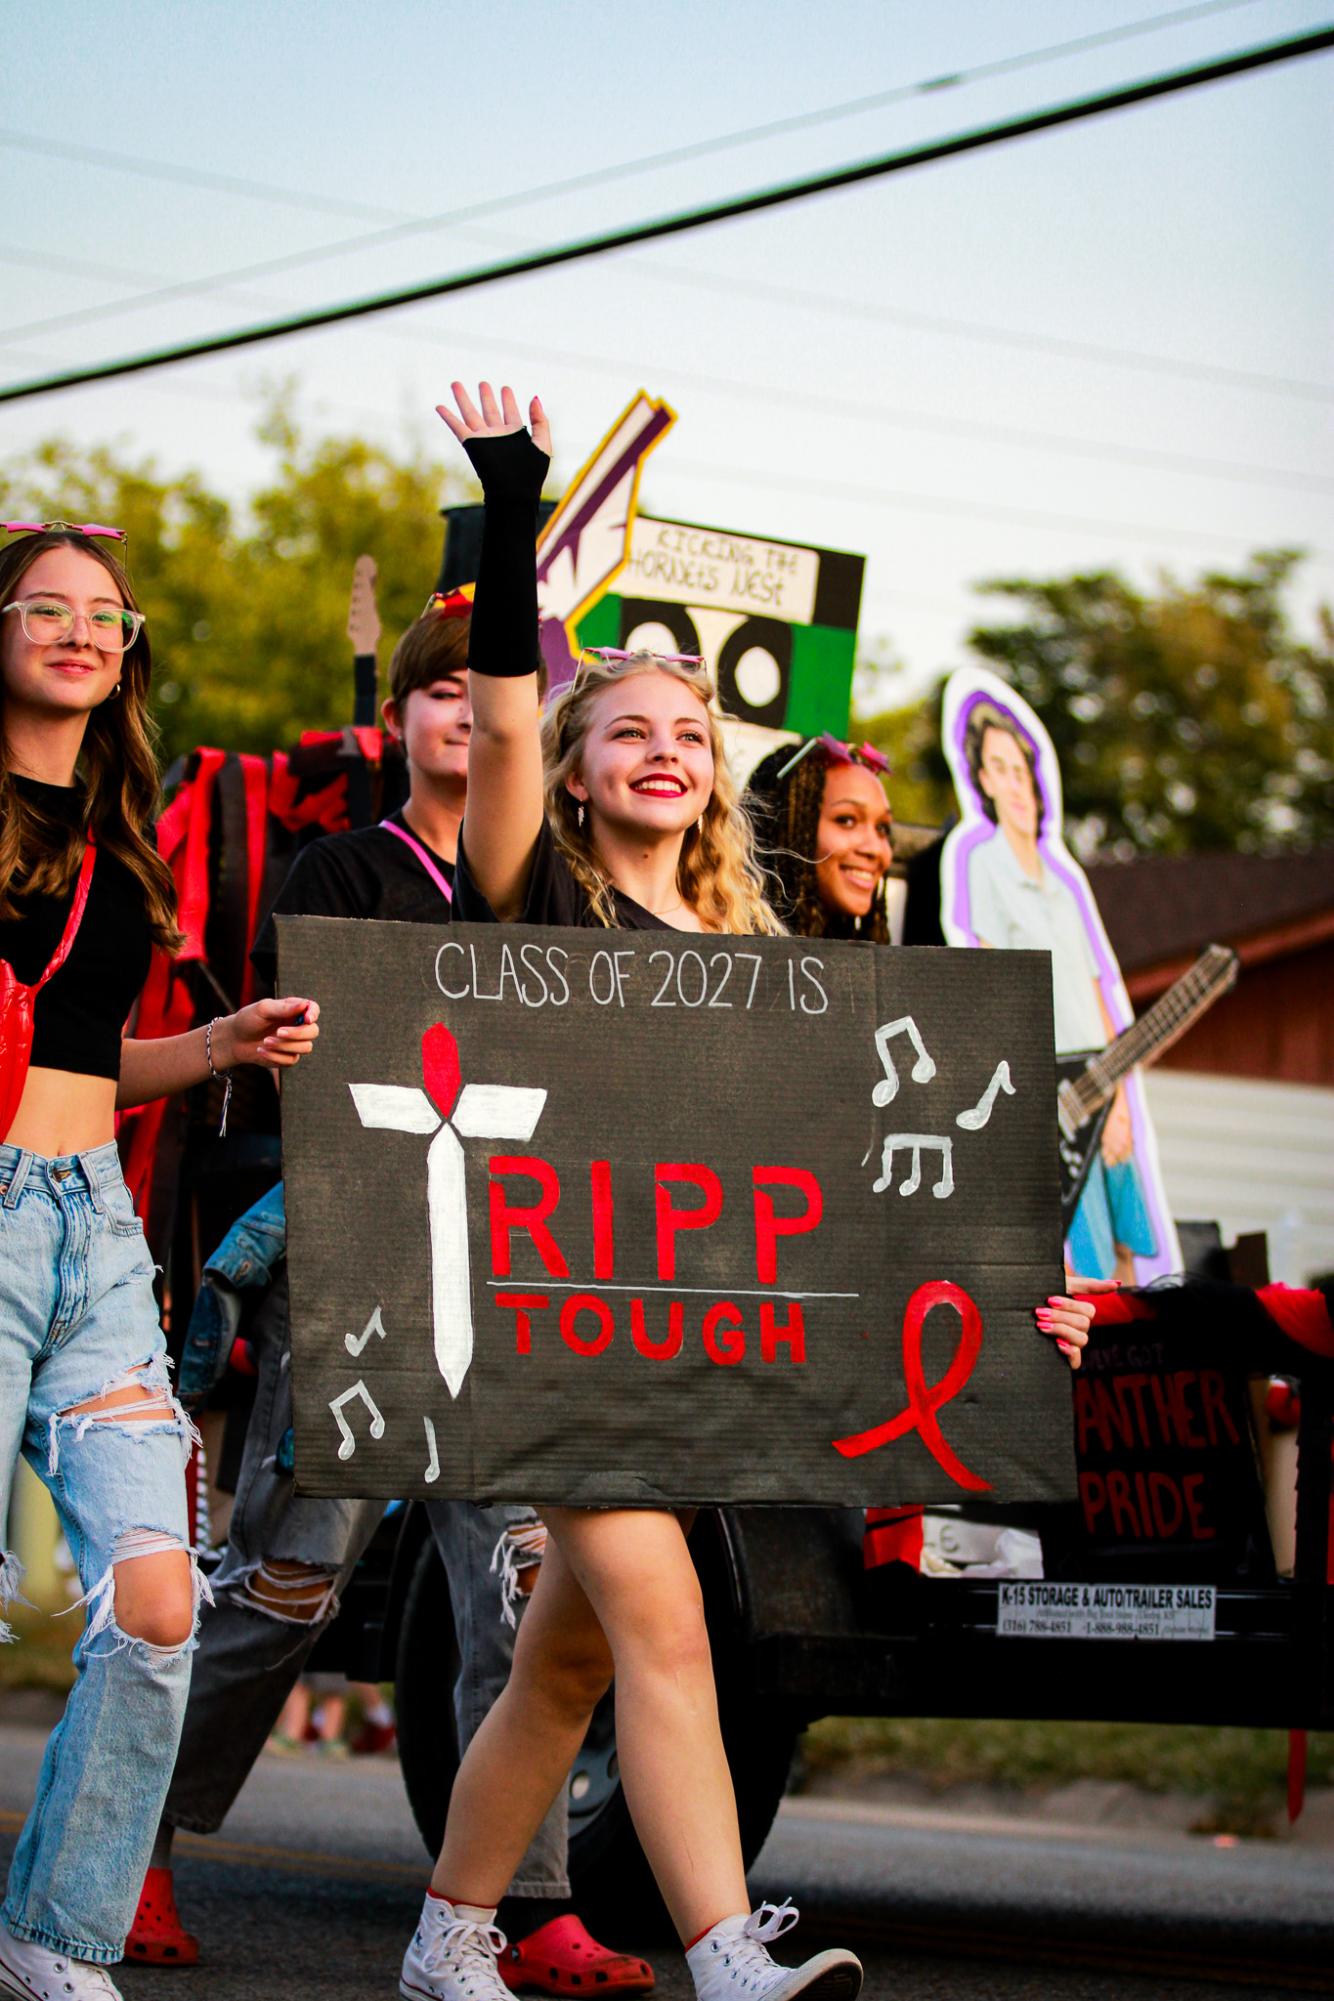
{"points": [[1088, 1083]]}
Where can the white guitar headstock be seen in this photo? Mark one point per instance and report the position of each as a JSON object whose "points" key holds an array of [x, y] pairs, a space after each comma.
{"points": [[363, 618]]}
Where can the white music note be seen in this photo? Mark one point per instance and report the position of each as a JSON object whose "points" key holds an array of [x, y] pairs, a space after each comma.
{"points": [[974, 1120], [432, 1473], [923, 1070], [354, 1343], [349, 1444], [918, 1142]]}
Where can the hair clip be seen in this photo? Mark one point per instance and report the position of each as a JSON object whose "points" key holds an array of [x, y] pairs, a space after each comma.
{"points": [[452, 604]]}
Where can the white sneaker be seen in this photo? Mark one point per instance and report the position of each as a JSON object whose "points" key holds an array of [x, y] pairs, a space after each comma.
{"points": [[453, 1955], [35, 1973], [732, 1961]]}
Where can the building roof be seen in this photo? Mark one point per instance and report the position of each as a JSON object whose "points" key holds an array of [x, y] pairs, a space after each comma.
{"points": [[1162, 908]]}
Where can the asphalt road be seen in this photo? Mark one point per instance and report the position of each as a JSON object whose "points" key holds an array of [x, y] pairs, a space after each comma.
{"points": [[312, 1890]]}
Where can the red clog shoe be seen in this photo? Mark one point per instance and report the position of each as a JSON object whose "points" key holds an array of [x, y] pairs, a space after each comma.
{"points": [[157, 1936], [561, 1958]]}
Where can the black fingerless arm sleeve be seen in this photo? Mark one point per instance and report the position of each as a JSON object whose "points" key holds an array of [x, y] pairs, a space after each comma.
{"points": [[502, 638]]}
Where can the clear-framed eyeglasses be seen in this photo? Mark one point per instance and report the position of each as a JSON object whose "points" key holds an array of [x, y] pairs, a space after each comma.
{"points": [[95, 531], [48, 621]]}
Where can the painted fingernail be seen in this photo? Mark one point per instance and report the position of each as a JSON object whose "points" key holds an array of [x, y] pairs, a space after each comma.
{"points": [[1066, 1347]]}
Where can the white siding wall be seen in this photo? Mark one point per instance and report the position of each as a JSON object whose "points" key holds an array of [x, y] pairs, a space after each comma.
{"points": [[1251, 1156]]}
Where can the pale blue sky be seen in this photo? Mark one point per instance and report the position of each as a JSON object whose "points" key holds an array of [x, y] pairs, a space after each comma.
{"points": [[822, 394]]}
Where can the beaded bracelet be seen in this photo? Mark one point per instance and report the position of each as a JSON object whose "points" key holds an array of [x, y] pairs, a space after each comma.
{"points": [[224, 1076]]}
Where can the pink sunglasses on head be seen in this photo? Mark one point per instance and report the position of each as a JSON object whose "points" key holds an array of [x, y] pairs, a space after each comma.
{"points": [[840, 753], [92, 529]]}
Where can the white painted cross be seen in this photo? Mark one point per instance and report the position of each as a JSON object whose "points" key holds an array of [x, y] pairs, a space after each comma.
{"points": [[475, 1111]]}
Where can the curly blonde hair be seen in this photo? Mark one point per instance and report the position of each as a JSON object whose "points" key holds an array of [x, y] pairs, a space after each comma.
{"points": [[717, 874]]}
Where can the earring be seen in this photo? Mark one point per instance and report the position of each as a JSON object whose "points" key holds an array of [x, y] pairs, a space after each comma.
{"points": [[579, 815], [114, 692], [856, 923], [699, 826]]}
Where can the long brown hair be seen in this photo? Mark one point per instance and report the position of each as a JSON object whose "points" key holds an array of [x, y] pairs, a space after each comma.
{"points": [[786, 815], [716, 875], [40, 855]]}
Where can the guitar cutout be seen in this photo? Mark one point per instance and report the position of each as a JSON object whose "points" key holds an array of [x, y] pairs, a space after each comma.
{"points": [[1088, 1083], [363, 617]]}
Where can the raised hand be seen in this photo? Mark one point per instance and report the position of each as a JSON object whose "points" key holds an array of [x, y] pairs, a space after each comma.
{"points": [[494, 420]]}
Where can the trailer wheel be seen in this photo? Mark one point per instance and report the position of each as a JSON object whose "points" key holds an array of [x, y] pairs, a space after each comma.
{"points": [[613, 1887]]}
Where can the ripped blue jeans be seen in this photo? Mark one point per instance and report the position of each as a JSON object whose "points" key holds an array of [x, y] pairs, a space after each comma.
{"points": [[78, 1324]]}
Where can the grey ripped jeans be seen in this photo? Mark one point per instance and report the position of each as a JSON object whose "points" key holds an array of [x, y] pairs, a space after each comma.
{"points": [[255, 1639]]}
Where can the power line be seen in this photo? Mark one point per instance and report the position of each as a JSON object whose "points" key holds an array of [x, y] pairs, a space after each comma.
{"points": [[691, 219], [1073, 350], [913, 420], [945, 504], [703, 281], [597, 177], [193, 177], [733, 285], [401, 226]]}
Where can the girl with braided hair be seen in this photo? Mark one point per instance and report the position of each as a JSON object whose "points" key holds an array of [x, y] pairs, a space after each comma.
{"points": [[825, 834]]}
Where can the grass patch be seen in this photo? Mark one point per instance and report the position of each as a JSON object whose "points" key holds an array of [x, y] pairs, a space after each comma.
{"points": [[1238, 1776]]}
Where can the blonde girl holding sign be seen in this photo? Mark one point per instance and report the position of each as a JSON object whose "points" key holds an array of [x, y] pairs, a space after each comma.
{"points": [[629, 820]]}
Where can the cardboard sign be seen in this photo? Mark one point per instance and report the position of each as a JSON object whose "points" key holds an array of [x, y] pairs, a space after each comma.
{"points": [[777, 621], [593, 1216], [1166, 1456]]}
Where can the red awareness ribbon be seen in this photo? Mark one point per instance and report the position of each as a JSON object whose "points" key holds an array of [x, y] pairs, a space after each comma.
{"points": [[926, 1400]]}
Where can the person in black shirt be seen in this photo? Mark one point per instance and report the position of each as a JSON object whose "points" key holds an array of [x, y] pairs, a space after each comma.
{"points": [[402, 870], [84, 1390], [289, 1557], [628, 820]]}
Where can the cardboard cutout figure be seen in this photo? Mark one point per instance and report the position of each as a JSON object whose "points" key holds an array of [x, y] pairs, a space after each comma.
{"points": [[1008, 880], [614, 1216]]}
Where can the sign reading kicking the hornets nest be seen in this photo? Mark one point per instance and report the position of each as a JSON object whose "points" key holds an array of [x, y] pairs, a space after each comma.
{"points": [[596, 1216]]}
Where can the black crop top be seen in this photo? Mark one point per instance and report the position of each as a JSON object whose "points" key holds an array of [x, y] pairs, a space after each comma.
{"points": [[82, 1009]]}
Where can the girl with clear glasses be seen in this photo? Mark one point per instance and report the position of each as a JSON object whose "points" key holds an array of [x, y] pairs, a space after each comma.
{"points": [[84, 1390]]}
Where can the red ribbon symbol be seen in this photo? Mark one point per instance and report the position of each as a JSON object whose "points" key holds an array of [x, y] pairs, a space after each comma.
{"points": [[924, 1400], [440, 1068]]}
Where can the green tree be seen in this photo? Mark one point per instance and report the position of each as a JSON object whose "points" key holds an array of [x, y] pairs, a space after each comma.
{"points": [[1189, 719], [1186, 720], [248, 608]]}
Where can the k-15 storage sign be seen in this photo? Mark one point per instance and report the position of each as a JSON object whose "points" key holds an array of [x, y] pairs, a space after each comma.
{"points": [[596, 1216]]}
